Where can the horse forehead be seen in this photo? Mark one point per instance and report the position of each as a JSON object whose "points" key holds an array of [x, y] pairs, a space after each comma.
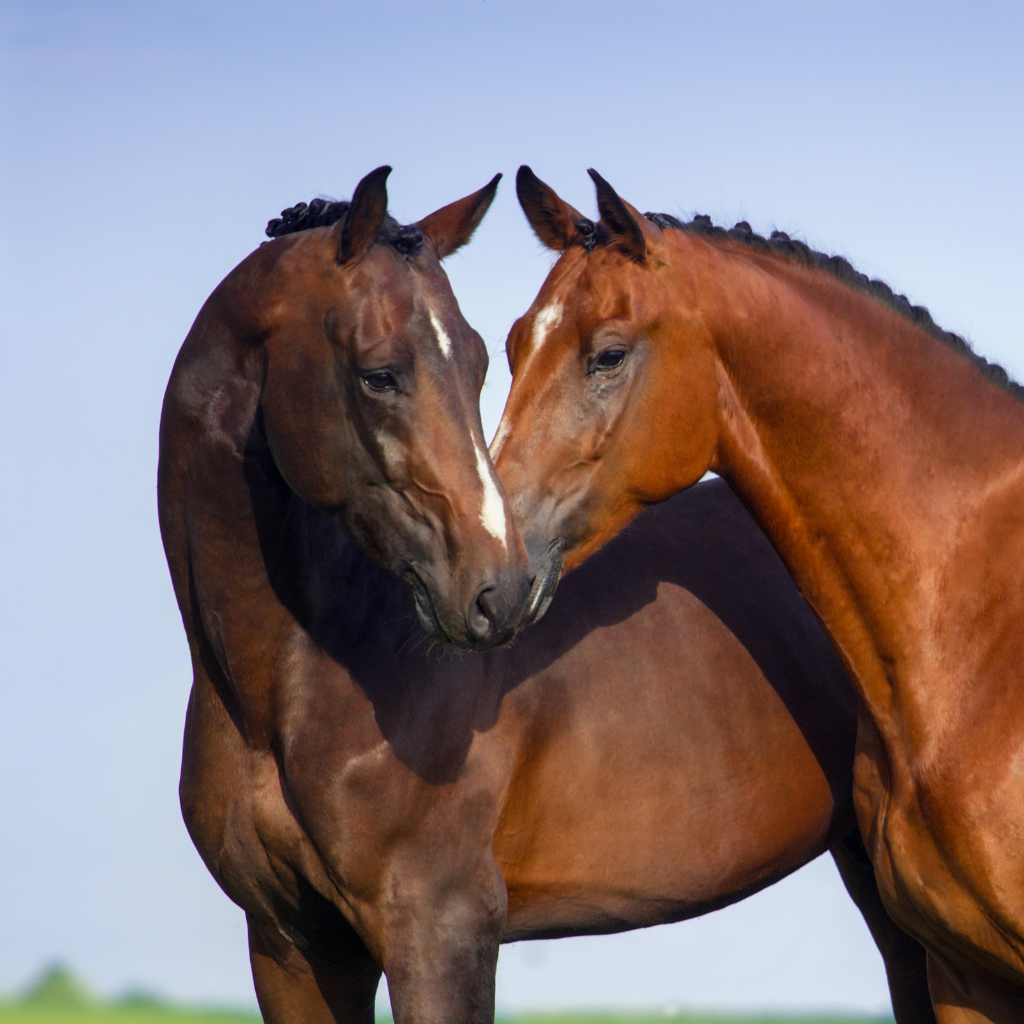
{"points": [[607, 282], [546, 319], [531, 331], [409, 290], [563, 314], [390, 303], [586, 291], [554, 305], [427, 329], [408, 304]]}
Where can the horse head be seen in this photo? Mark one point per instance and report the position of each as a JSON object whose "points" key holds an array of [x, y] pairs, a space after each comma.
{"points": [[365, 380], [601, 358]]}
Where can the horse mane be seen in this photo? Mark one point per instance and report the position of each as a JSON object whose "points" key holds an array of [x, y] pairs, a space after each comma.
{"points": [[841, 269], [322, 213]]}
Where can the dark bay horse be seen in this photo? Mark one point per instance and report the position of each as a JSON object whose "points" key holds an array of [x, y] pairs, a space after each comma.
{"points": [[344, 352], [886, 463], [675, 735]]}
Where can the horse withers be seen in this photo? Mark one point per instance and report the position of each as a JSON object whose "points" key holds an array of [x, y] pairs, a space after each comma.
{"points": [[884, 460]]}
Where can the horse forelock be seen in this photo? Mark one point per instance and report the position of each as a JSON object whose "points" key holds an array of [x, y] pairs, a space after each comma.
{"points": [[780, 244]]}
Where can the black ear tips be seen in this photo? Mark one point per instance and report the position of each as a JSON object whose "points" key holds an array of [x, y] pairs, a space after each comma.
{"points": [[451, 227], [487, 194], [553, 220], [628, 234], [365, 215], [527, 183], [600, 184], [604, 190]]}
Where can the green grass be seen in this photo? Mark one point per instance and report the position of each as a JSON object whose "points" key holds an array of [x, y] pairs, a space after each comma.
{"points": [[124, 1013], [689, 1018], [57, 997], [132, 1013]]}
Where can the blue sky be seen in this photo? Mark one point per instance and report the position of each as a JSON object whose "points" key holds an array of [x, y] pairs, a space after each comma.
{"points": [[143, 147]]}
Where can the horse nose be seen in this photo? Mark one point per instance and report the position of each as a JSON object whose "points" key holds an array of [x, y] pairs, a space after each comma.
{"points": [[482, 618]]}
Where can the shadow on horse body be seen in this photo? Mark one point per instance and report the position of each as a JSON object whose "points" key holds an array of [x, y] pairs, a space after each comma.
{"points": [[884, 460], [674, 735]]}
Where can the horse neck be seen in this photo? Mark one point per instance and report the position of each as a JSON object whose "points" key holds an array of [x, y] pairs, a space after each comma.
{"points": [[866, 448], [256, 570]]}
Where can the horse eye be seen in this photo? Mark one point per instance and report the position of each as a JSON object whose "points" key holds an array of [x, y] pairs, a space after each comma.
{"points": [[380, 381], [611, 359]]}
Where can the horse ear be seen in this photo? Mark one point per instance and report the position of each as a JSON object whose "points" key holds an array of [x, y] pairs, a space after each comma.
{"points": [[553, 220], [365, 215], [453, 225], [626, 226]]}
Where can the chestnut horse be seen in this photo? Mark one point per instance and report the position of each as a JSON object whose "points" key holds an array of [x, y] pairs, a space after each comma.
{"points": [[886, 463], [675, 735]]}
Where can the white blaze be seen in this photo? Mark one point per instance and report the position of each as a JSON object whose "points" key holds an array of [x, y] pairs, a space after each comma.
{"points": [[550, 316], [442, 336], [492, 510]]}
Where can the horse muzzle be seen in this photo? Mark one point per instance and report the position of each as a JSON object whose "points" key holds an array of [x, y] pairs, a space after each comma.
{"points": [[545, 583], [491, 616]]}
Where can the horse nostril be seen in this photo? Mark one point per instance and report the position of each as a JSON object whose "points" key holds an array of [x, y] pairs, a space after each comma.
{"points": [[485, 602], [483, 613]]}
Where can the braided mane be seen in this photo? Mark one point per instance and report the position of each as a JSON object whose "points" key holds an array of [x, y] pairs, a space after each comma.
{"points": [[322, 213], [839, 268]]}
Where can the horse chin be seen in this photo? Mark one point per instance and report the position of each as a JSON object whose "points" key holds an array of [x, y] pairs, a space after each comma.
{"points": [[426, 611], [545, 583]]}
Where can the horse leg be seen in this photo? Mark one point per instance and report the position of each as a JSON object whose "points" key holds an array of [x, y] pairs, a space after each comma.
{"points": [[905, 958], [331, 986], [440, 958], [962, 998], [441, 981]]}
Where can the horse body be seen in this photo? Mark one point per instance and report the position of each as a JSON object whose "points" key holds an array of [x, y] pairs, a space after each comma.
{"points": [[632, 780], [888, 474], [675, 735], [629, 762]]}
